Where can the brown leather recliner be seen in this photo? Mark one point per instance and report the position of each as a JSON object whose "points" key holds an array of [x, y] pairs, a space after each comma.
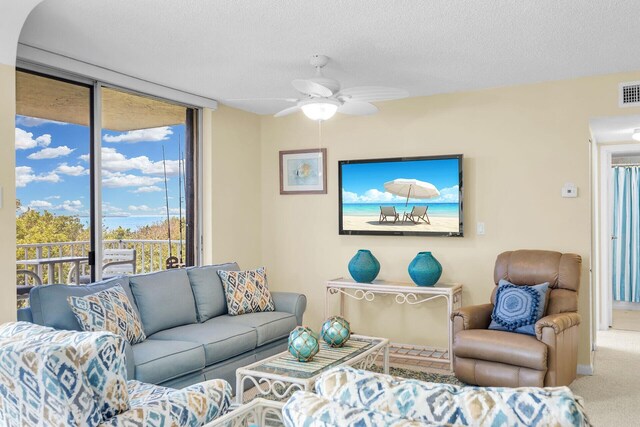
{"points": [[487, 357]]}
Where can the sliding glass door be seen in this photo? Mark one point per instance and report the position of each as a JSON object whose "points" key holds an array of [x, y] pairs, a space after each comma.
{"points": [[53, 137], [146, 175], [105, 182]]}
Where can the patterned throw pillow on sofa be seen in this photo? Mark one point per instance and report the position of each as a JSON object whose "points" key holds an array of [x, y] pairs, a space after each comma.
{"points": [[108, 310], [518, 308], [246, 291]]}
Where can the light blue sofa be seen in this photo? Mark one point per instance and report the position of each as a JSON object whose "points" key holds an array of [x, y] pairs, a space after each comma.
{"points": [[190, 336]]}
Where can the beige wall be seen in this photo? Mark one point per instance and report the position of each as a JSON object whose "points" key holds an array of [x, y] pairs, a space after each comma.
{"points": [[7, 182], [521, 144], [232, 188]]}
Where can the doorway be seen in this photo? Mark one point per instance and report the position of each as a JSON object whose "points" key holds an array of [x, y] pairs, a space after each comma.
{"points": [[616, 166]]}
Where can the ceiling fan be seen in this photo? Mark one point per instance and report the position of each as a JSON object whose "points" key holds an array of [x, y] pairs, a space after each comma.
{"points": [[323, 96]]}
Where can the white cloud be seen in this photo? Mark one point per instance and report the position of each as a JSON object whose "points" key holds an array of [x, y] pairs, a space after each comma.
{"points": [[119, 180], [113, 161], [132, 136], [148, 189], [110, 210], [52, 197], [26, 141], [73, 206], [25, 175], [65, 169], [447, 195], [370, 196], [40, 204], [51, 153], [34, 121], [141, 208]]}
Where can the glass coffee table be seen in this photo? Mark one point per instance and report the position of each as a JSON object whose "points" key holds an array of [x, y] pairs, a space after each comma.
{"points": [[257, 413], [282, 374]]}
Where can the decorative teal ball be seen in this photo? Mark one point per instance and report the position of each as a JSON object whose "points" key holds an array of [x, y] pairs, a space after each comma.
{"points": [[335, 331], [303, 343], [425, 270], [364, 267]]}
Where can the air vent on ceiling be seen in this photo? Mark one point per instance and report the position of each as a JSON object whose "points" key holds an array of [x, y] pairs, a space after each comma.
{"points": [[629, 94]]}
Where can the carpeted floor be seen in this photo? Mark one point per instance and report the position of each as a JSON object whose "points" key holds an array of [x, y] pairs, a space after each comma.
{"points": [[418, 375], [612, 394]]}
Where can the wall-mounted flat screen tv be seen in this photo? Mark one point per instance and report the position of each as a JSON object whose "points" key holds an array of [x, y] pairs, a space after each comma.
{"points": [[403, 196]]}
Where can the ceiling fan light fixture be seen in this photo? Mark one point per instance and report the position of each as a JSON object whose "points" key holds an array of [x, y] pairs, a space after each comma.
{"points": [[322, 109], [636, 135]]}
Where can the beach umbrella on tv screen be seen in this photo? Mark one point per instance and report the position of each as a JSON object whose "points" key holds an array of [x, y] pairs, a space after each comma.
{"points": [[411, 188]]}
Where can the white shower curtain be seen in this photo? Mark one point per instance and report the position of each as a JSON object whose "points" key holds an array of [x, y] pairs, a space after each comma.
{"points": [[626, 228]]}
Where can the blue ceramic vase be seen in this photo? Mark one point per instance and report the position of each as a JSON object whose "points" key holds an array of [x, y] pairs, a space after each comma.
{"points": [[335, 331], [303, 344], [425, 270], [364, 267]]}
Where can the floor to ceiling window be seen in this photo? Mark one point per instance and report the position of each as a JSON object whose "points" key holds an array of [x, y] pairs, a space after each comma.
{"points": [[93, 204]]}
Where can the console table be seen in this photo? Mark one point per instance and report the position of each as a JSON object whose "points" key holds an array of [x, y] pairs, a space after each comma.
{"points": [[403, 293]]}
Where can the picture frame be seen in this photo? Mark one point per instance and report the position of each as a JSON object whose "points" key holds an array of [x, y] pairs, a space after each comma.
{"points": [[303, 171]]}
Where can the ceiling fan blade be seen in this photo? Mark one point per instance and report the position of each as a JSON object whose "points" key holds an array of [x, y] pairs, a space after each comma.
{"points": [[372, 93], [357, 108], [287, 111], [309, 87], [261, 99]]}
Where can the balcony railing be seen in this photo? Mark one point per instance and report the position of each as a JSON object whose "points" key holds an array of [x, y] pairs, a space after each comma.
{"points": [[151, 256]]}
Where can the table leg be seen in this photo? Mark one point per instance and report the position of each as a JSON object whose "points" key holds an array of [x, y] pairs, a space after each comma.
{"points": [[239, 388], [326, 302], [450, 328], [385, 363], [341, 304]]}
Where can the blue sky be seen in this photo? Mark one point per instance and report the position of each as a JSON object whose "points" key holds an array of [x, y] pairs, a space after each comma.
{"points": [[52, 168], [364, 182]]}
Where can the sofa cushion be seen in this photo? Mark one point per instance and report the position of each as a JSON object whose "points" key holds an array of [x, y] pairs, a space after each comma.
{"points": [[246, 291], [162, 360], [49, 305], [270, 326], [433, 404], [221, 339], [108, 310], [503, 347], [164, 299], [208, 290]]}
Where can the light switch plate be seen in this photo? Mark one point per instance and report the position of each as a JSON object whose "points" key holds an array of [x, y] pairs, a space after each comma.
{"points": [[480, 228]]}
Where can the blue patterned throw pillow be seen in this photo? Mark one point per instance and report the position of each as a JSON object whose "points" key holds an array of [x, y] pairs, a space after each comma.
{"points": [[518, 308], [108, 310], [246, 291]]}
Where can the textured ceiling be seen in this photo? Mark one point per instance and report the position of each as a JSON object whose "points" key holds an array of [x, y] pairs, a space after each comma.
{"points": [[227, 49]]}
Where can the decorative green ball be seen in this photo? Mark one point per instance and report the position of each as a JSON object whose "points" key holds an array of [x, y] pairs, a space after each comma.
{"points": [[303, 343], [335, 331]]}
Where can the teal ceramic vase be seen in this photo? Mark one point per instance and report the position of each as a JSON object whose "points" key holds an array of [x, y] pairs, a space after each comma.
{"points": [[364, 267], [303, 343], [425, 270], [335, 331]]}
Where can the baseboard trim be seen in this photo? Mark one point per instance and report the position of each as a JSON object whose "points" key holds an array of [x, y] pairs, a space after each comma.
{"points": [[585, 370]]}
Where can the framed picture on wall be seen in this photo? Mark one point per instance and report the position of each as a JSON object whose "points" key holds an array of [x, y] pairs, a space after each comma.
{"points": [[303, 171]]}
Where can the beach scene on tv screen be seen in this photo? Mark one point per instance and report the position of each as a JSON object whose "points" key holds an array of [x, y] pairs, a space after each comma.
{"points": [[410, 196]]}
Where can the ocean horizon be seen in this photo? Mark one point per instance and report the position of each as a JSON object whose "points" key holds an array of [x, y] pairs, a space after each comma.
{"points": [[450, 210], [131, 222]]}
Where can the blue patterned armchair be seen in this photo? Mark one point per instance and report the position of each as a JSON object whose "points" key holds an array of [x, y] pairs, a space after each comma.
{"points": [[50, 377], [346, 396]]}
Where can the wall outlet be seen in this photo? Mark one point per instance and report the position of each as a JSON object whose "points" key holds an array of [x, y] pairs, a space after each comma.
{"points": [[480, 228], [569, 190]]}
